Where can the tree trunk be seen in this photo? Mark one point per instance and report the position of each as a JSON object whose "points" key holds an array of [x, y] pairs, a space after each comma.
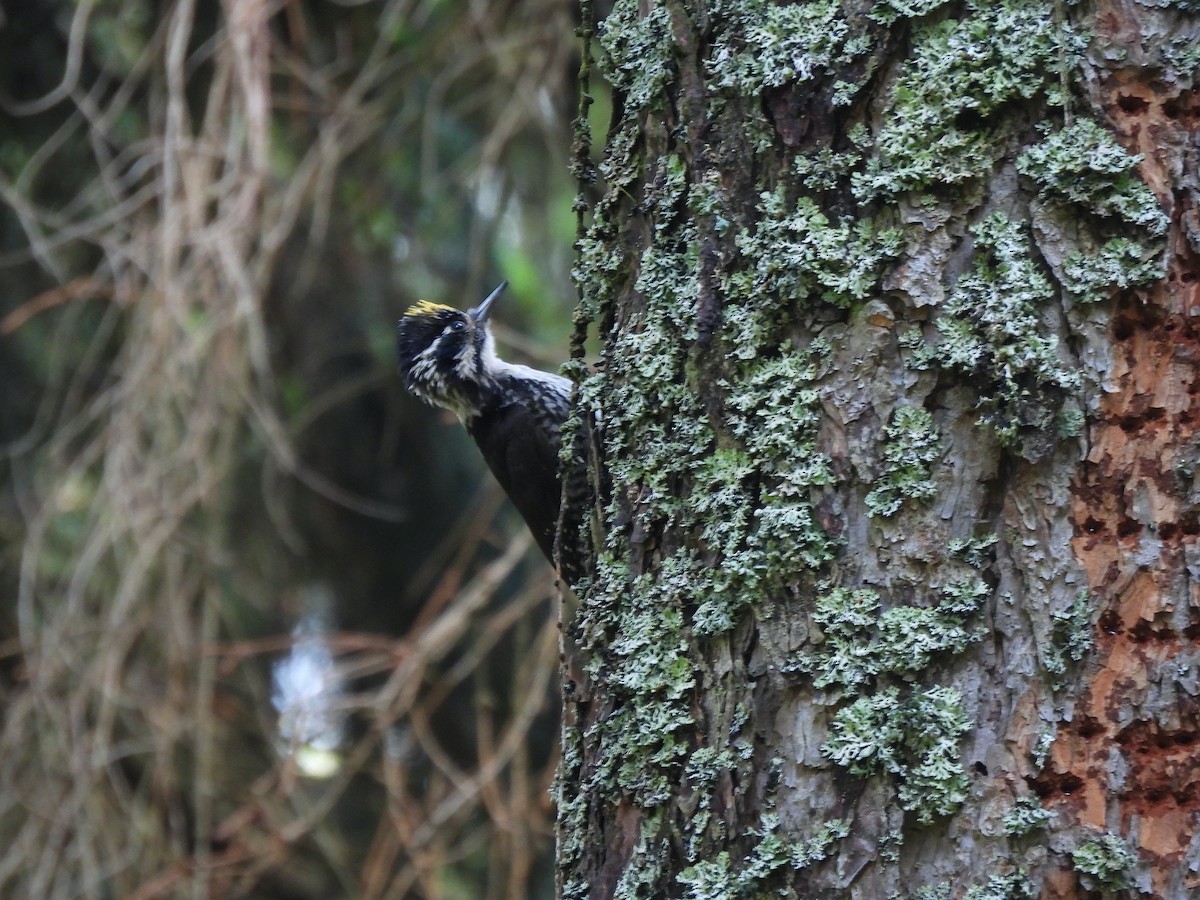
{"points": [[892, 591]]}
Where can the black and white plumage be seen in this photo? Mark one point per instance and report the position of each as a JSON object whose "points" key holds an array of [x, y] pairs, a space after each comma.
{"points": [[514, 413]]}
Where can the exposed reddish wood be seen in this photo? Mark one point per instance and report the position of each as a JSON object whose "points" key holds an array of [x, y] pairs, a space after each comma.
{"points": [[1061, 884], [1132, 518]]}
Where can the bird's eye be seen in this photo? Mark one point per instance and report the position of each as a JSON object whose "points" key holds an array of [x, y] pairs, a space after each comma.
{"points": [[458, 326]]}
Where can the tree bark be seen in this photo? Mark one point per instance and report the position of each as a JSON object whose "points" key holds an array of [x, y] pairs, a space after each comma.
{"points": [[893, 590]]}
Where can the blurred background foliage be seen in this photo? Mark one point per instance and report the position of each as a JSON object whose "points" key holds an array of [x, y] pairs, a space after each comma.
{"points": [[266, 628]]}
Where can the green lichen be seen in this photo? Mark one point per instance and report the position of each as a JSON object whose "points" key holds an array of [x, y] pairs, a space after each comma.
{"points": [[796, 256], [890, 844], [710, 440], [653, 424], [598, 262], [571, 805], [992, 330], [774, 851], [672, 189], [914, 739], [941, 891], [752, 503], [620, 168], [912, 444], [704, 768], [1040, 751], [974, 551], [710, 879], [1011, 886], [941, 127], [720, 877], [779, 45], [1105, 864], [775, 411], [1182, 54], [633, 628], [919, 354], [1086, 178], [823, 169], [912, 735], [742, 493], [650, 676], [1070, 422], [1026, 817], [630, 41], [890, 11], [1083, 164], [646, 866], [1117, 264], [1072, 636], [858, 643]]}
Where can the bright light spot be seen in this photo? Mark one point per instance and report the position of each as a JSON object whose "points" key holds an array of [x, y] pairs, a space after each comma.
{"points": [[489, 194], [401, 248], [315, 762], [307, 689]]}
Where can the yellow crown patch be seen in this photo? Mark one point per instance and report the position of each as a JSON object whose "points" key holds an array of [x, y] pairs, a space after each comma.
{"points": [[426, 308]]}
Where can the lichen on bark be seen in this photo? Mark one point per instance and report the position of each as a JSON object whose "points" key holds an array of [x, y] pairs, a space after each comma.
{"points": [[852, 274]]}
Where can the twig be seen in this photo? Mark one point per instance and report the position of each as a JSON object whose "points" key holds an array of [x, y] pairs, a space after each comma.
{"points": [[73, 290]]}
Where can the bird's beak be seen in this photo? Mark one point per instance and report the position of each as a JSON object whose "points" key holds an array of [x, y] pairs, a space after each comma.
{"points": [[480, 312]]}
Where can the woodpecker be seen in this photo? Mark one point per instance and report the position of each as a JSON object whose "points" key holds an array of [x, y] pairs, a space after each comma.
{"points": [[447, 358]]}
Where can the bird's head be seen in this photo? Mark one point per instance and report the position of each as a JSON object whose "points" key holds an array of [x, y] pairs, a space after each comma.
{"points": [[444, 353]]}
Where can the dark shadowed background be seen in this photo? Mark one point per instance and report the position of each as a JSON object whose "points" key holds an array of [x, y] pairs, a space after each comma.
{"points": [[266, 627]]}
